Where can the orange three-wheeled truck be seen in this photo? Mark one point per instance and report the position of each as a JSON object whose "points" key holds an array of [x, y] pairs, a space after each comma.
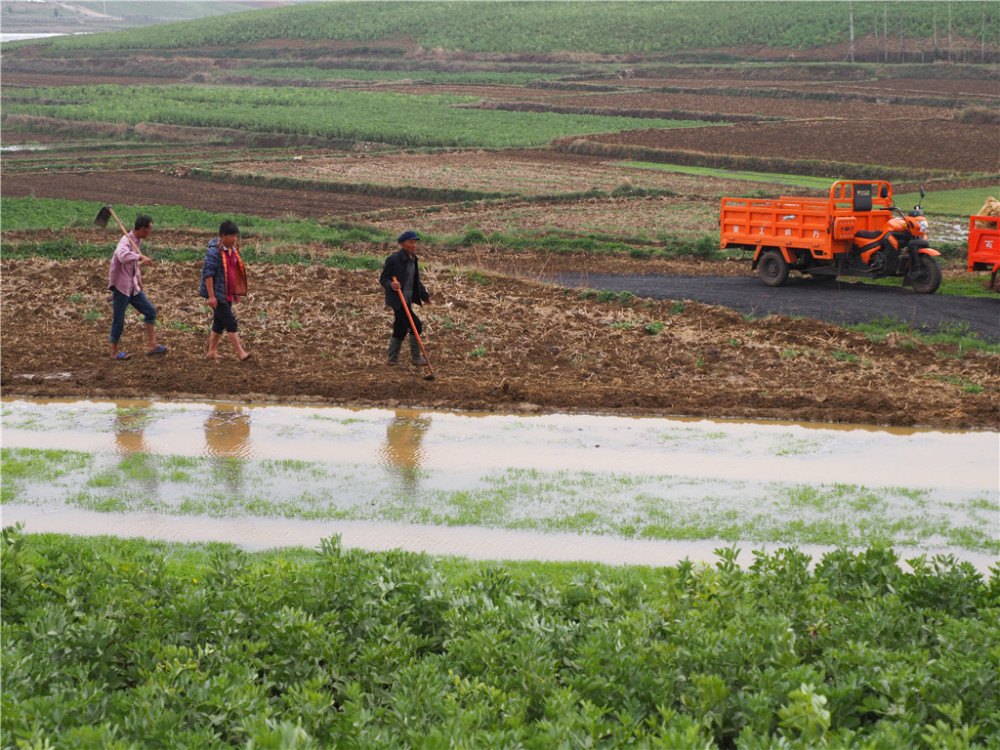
{"points": [[984, 245], [855, 231]]}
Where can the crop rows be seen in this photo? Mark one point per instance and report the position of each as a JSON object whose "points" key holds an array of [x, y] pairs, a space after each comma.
{"points": [[620, 28], [382, 117]]}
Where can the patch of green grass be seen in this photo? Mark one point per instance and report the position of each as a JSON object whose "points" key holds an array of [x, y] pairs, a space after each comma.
{"points": [[51, 213], [23, 467], [796, 447], [355, 74], [842, 356], [624, 325], [961, 203], [791, 353], [970, 285], [477, 277], [967, 285], [813, 183], [968, 386], [957, 335]]}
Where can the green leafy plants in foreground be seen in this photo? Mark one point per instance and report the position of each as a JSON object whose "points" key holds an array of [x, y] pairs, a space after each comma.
{"points": [[128, 644]]}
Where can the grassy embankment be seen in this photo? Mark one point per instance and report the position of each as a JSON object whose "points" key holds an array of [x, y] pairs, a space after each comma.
{"points": [[270, 238]]}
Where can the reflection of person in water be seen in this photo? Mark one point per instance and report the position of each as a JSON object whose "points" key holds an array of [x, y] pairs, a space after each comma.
{"points": [[136, 460], [403, 436], [227, 442], [129, 424]]}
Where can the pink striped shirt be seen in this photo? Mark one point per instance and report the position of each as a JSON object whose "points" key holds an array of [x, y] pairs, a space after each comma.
{"points": [[125, 275]]}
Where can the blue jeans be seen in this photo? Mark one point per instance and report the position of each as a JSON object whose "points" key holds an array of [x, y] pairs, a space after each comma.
{"points": [[120, 303]]}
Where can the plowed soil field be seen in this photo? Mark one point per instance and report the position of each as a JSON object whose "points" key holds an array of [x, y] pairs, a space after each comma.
{"points": [[932, 143], [498, 337], [496, 342]]}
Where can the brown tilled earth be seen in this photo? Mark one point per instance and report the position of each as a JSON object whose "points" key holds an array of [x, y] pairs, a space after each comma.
{"points": [[496, 340], [930, 143], [318, 335]]}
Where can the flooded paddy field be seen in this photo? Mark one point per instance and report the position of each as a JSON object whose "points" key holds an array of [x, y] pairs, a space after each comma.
{"points": [[611, 489]]}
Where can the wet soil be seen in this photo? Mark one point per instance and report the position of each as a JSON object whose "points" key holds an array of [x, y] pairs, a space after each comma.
{"points": [[502, 331], [496, 342]]}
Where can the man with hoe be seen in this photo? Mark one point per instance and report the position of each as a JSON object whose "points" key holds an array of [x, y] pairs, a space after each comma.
{"points": [[125, 283], [401, 271]]}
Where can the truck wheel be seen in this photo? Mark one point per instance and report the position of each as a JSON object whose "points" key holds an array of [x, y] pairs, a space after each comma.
{"points": [[927, 278], [773, 268]]}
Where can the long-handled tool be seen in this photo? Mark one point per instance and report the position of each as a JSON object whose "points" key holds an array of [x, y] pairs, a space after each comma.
{"points": [[102, 221], [413, 328]]}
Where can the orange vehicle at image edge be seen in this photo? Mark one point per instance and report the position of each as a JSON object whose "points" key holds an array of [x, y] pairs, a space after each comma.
{"points": [[855, 231], [984, 245]]}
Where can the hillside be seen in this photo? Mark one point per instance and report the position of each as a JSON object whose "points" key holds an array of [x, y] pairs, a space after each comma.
{"points": [[630, 32]]}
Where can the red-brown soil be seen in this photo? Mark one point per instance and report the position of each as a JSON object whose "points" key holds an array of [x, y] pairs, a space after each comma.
{"points": [[748, 105], [156, 189], [929, 143], [495, 342]]}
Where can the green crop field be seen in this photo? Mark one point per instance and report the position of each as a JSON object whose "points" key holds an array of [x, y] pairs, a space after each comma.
{"points": [[125, 644], [963, 203], [805, 181], [428, 76], [384, 117], [602, 27]]}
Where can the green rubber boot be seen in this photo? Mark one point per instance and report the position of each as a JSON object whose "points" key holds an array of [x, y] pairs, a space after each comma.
{"points": [[415, 353], [394, 346]]}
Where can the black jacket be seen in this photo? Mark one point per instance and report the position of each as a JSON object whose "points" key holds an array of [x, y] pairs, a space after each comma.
{"points": [[395, 265]]}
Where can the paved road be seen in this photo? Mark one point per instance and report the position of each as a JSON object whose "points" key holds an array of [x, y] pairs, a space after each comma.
{"points": [[837, 302]]}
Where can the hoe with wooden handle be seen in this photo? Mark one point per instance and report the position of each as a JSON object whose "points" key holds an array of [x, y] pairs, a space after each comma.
{"points": [[413, 328], [102, 221]]}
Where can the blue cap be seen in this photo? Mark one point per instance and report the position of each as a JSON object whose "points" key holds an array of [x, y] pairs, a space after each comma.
{"points": [[408, 235]]}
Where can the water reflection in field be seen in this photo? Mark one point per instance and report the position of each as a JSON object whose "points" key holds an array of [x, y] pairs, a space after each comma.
{"points": [[638, 478]]}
